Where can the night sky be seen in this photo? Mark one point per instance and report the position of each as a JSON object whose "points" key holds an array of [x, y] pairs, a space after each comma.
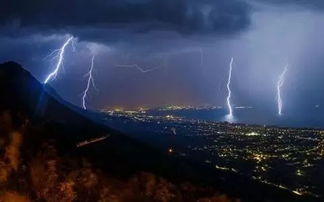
{"points": [[189, 43]]}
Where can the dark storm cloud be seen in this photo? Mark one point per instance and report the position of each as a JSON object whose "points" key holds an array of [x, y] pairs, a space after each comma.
{"points": [[310, 4], [183, 16]]}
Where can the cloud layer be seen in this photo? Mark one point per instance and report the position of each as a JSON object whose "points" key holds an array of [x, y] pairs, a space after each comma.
{"points": [[183, 16]]}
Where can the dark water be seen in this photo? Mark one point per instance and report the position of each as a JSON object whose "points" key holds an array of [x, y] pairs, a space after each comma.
{"points": [[314, 118]]}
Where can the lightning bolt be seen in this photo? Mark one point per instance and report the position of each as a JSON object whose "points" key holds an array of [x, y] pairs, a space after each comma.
{"points": [[201, 52], [142, 70], [59, 54], [229, 116], [90, 81], [139, 68], [165, 63], [280, 83]]}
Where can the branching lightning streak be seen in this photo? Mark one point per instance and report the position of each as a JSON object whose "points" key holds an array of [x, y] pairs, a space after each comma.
{"points": [[139, 68], [59, 53], [203, 69], [142, 70], [201, 55], [166, 58], [90, 81], [228, 99], [280, 83]]}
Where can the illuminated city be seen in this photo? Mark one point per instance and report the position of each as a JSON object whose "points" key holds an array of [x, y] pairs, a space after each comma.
{"points": [[286, 158]]}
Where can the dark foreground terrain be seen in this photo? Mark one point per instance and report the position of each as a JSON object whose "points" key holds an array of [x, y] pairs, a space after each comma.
{"points": [[45, 156]]}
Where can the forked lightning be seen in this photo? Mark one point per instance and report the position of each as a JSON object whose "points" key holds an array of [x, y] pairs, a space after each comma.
{"points": [[59, 55]]}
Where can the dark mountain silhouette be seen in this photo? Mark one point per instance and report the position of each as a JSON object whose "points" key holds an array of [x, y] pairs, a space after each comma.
{"points": [[40, 159]]}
